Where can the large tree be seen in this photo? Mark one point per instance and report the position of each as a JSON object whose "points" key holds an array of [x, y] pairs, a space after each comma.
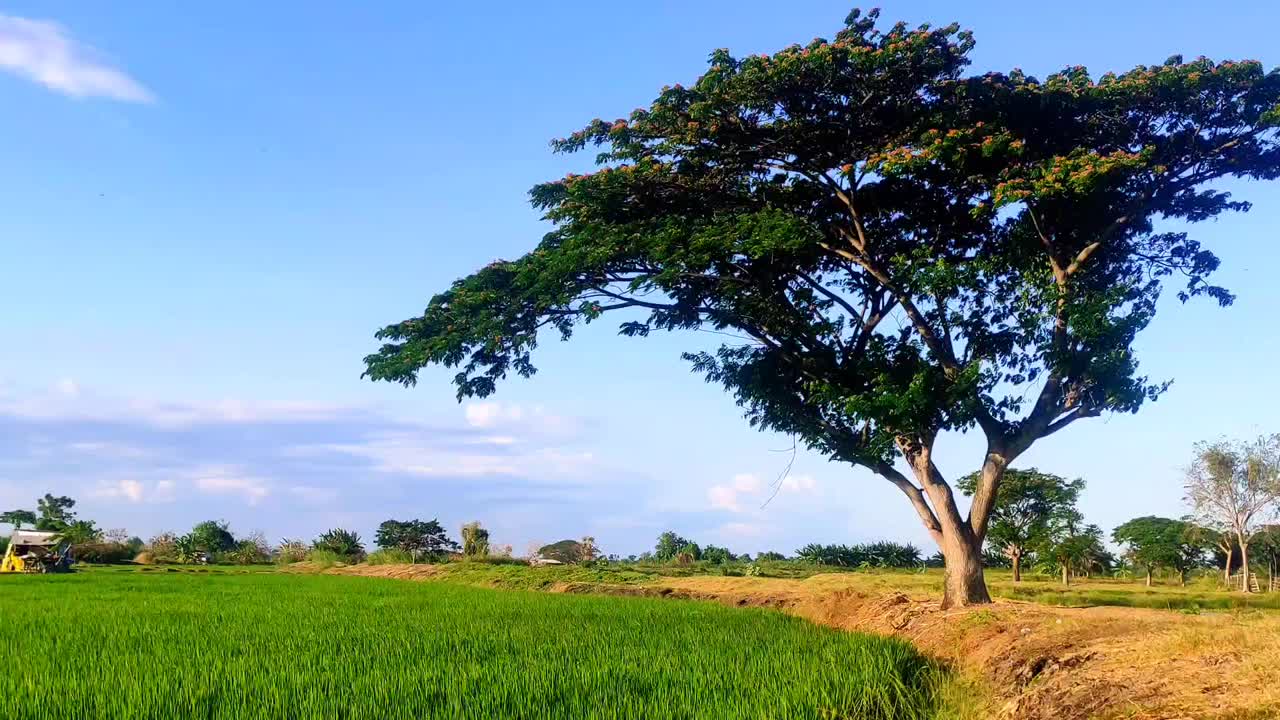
{"points": [[1156, 542], [1027, 503], [55, 512], [669, 545], [904, 249], [416, 537], [1232, 487], [213, 536]]}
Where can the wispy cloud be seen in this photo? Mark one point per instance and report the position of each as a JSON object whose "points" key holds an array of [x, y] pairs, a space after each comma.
{"points": [[729, 497], [45, 53], [746, 491], [135, 491], [297, 468]]}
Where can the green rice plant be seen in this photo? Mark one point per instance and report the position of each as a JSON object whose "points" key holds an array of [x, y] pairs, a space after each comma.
{"points": [[215, 645]]}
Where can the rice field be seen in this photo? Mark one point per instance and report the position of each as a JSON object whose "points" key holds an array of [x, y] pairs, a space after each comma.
{"points": [[225, 645]]}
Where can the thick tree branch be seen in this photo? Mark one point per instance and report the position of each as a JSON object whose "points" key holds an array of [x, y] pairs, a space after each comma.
{"points": [[915, 495]]}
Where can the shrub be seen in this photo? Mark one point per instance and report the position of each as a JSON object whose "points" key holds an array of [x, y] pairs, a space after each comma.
{"points": [[325, 558], [290, 551], [343, 543], [873, 555], [102, 553], [496, 560], [716, 555], [475, 540], [146, 557], [247, 552], [164, 547], [389, 556]]}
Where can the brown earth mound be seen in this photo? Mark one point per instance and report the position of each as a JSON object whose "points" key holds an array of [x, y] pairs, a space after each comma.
{"points": [[1050, 663]]}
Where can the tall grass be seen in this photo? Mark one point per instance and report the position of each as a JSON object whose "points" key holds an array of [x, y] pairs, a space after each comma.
{"points": [[162, 645], [389, 556]]}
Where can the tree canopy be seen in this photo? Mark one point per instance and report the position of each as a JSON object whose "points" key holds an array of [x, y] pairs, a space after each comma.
{"points": [[18, 518], [416, 537], [1233, 486], [213, 536], [902, 248], [78, 532], [55, 512], [1156, 542], [565, 551], [669, 545]]}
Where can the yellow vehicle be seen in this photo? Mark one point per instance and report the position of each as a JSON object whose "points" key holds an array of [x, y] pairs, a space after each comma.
{"points": [[32, 551]]}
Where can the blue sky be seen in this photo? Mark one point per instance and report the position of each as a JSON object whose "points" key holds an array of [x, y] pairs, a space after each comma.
{"points": [[207, 211]]}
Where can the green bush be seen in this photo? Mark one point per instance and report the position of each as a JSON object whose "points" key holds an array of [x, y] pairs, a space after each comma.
{"points": [[102, 553], [495, 560], [326, 558], [247, 552], [389, 556], [343, 543]]}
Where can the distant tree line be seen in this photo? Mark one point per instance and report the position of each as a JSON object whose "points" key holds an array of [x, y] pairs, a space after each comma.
{"points": [[1233, 488]]}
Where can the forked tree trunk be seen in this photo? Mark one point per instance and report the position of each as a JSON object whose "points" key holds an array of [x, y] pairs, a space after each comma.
{"points": [[959, 539], [1066, 575], [963, 583], [1016, 557]]}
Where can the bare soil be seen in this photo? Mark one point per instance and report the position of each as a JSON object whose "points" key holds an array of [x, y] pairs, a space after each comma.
{"points": [[1038, 662]]}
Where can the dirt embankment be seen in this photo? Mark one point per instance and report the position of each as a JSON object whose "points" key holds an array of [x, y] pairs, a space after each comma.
{"points": [[1041, 662]]}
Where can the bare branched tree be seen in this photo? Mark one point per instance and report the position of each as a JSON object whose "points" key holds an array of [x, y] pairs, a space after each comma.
{"points": [[1233, 487]]}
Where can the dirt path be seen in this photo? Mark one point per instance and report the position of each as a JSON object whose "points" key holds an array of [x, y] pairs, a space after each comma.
{"points": [[1041, 662]]}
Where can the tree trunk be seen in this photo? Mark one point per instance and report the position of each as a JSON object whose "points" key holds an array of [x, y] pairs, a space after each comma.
{"points": [[1244, 563], [963, 583], [1017, 566], [1182, 577], [1066, 575], [1226, 571], [958, 539], [1148, 577]]}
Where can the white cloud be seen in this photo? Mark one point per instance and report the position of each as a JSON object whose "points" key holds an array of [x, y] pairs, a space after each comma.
{"points": [[798, 484], [740, 530], [729, 497], [45, 53], [135, 491], [489, 414], [414, 453], [226, 481], [746, 487], [66, 400], [109, 449], [314, 495]]}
